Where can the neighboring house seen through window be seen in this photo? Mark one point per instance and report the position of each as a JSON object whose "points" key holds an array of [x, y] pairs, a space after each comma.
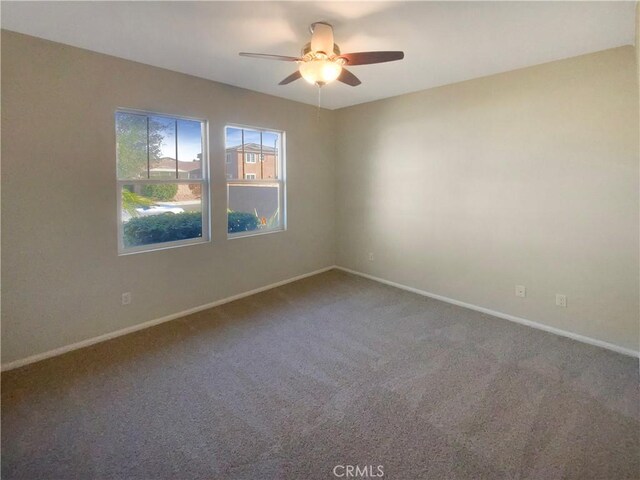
{"points": [[255, 181], [163, 183]]}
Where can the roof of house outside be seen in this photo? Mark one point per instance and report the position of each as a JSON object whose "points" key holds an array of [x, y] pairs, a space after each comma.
{"points": [[169, 164], [253, 147]]}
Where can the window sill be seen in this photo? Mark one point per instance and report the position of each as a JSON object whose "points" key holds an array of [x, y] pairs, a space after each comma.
{"points": [[233, 236], [161, 246]]}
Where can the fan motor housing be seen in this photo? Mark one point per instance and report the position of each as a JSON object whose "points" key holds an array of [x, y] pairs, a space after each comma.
{"points": [[306, 50]]}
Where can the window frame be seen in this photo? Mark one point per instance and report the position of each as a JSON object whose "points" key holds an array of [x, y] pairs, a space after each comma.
{"points": [[205, 183], [281, 181]]}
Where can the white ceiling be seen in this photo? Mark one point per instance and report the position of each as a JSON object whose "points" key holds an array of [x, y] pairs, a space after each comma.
{"points": [[444, 42]]}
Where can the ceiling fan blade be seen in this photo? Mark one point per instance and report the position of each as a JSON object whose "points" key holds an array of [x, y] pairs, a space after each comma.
{"points": [[322, 38], [291, 78], [349, 78], [367, 58], [267, 56]]}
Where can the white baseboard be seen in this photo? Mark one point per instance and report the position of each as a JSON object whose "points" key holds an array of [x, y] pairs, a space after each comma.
{"points": [[506, 316], [157, 321], [141, 326]]}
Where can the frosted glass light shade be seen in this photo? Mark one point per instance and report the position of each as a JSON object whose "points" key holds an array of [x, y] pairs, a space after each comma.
{"points": [[320, 71]]}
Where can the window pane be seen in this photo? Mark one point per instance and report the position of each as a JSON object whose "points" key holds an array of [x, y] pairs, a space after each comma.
{"points": [[189, 149], [131, 145], [162, 147], [253, 207], [270, 151], [251, 167], [252, 154], [160, 213], [233, 159]]}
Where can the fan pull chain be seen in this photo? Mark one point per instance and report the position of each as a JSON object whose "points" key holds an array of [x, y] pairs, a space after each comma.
{"points": [[319, 98]]}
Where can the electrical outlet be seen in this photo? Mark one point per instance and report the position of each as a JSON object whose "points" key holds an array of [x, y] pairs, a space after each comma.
{"points": [[371, 256], [561, 300], [521, 291], [126, 298]]}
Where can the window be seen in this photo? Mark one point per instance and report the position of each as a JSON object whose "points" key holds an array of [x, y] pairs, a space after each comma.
{"points": [[163, 183], [255, 190], [229, 157]]}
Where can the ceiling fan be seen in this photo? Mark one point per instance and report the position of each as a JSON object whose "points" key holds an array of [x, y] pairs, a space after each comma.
{"points": [[321, 62]]}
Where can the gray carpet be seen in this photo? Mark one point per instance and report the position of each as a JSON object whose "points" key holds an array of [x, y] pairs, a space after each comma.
{"points": [[331, 370]]}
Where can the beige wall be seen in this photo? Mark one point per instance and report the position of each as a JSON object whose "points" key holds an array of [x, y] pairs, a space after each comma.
{"points": [[528, 177], [638, 41], [62, 277]]}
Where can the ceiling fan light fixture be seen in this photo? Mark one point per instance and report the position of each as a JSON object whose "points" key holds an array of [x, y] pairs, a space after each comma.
{"points": [[321, 62], [320, 71]]}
